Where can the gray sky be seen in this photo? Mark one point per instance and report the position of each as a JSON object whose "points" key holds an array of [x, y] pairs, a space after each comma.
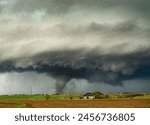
{"points": [[58, 45]]}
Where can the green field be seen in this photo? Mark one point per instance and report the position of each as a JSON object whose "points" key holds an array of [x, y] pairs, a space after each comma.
{"points": [[74, 100], [17, 97], [37, 97], [73, 97]]}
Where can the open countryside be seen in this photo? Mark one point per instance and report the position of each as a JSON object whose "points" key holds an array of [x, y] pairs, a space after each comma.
{"points": [[121, 100]]}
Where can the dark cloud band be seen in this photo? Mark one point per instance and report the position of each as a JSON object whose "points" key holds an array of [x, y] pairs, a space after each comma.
{"points": [[63, 66]]}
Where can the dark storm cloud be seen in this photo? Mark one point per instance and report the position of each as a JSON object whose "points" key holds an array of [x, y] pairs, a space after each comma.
{"points": [[67, 65], [54, 5], [125, 9], [102, 41], [110, 60], [135, 7]]}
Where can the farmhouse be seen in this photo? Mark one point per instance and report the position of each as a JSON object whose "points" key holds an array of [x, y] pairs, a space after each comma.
{"points": [[88, 96], [94, 95]]}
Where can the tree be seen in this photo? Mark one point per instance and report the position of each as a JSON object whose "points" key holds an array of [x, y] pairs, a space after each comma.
{"points": [[46, 96], [97, 95]]}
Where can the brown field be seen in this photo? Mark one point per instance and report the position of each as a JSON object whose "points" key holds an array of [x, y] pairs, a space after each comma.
{"points": [[75, 103]]}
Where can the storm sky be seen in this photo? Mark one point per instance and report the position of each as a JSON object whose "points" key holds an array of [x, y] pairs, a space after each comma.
{"points": [[74, 46]]}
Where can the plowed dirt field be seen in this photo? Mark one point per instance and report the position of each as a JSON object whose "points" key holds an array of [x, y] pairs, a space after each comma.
{"points": [[75, 103]]}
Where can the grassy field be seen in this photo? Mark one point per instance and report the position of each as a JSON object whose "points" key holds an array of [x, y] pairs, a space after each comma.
{"points": [[74, 101], [39, 97]]}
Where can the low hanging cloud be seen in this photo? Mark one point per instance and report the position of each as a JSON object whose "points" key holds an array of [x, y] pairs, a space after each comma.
{"points": [[36, 37], [80, 56], [26, 83]]}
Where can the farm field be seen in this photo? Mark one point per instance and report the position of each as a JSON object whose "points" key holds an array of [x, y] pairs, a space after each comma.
{"points": [[75, 103], [64, 101]]}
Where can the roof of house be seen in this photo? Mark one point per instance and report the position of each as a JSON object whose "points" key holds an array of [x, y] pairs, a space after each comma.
{"points": [[92, 94], [88, 94]]}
